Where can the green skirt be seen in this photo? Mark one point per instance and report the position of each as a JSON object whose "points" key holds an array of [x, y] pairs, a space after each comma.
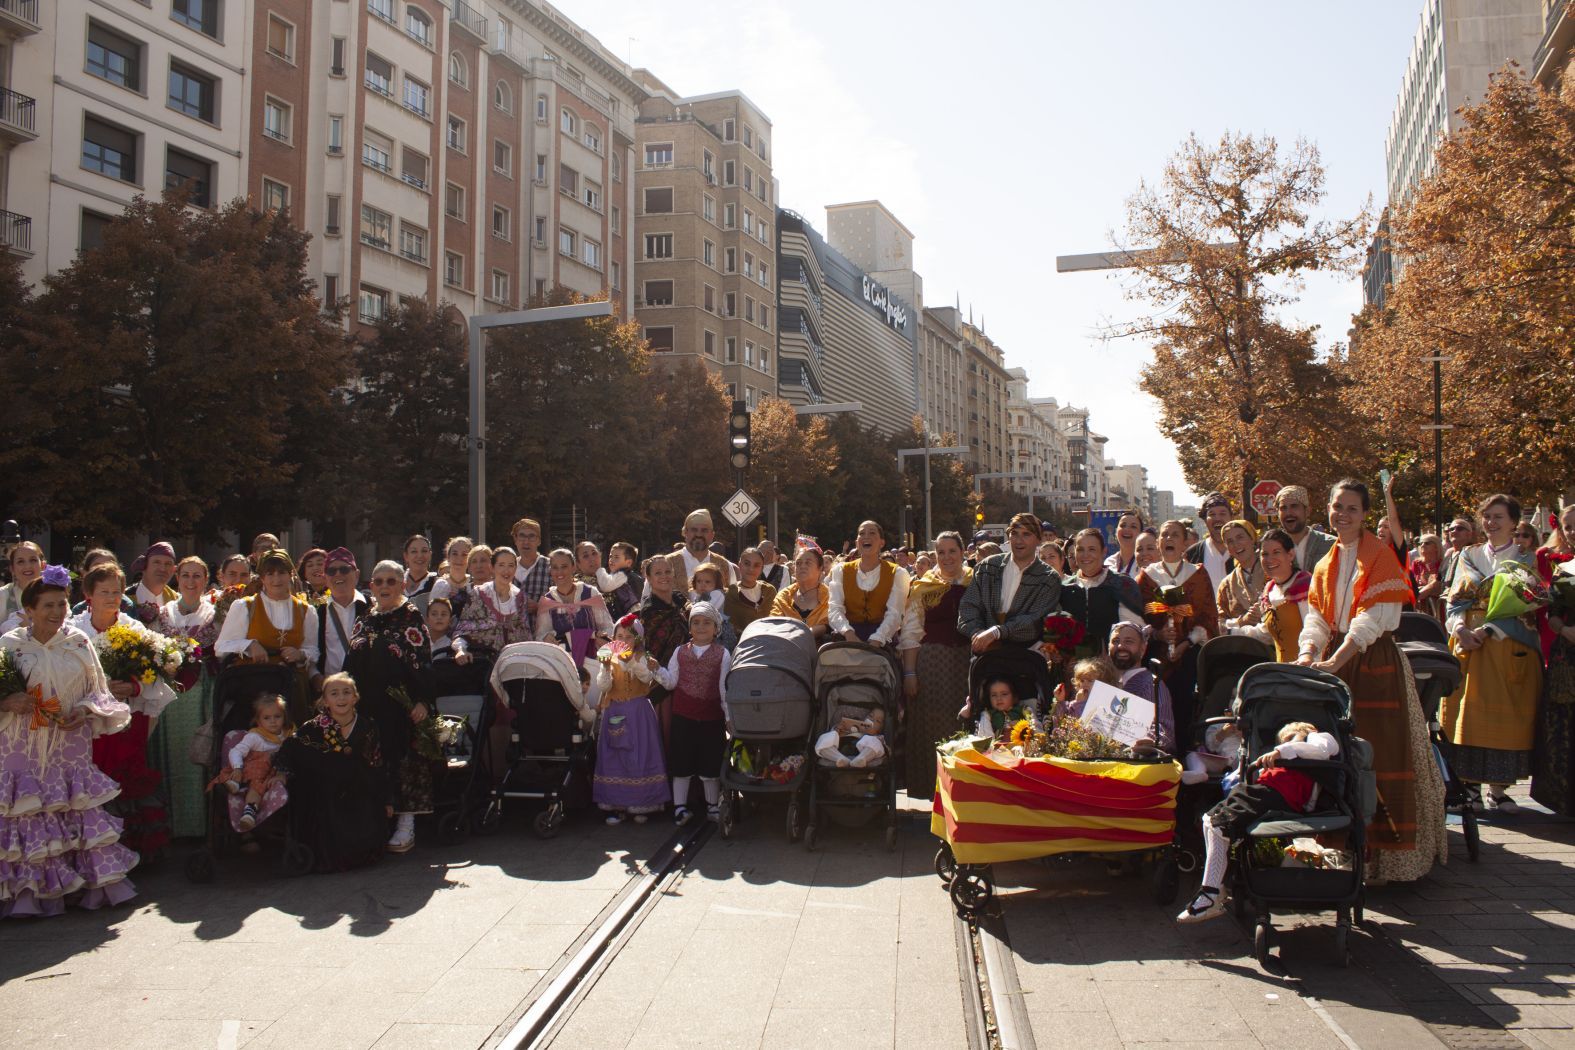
{"points": [[168, 749]]}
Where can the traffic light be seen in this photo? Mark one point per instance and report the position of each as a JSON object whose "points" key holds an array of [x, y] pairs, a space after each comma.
{"points": [[978, 518], [738, 436]]}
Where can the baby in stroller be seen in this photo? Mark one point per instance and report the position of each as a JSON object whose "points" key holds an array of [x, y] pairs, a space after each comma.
{"points": [[1276, 788], [856, 741], [250, 760]]}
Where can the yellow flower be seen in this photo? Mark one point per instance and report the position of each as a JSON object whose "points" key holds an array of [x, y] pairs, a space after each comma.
{"points": [[148, 677], [1022, 732]]}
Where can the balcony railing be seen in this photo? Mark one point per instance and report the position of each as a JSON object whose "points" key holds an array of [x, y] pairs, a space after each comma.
{"points": [[22, 12], [16, 111], [469, 19], [16, 232], [1555, 16]]}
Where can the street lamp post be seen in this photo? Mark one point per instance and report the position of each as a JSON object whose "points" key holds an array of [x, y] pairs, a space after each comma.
{"points": [[927, 450], [822, 408], [477, 441], [1439, 426], [1003, 475]]}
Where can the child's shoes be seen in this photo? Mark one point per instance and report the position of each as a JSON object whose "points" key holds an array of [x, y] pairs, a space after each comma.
{"points": [[248, 818]]}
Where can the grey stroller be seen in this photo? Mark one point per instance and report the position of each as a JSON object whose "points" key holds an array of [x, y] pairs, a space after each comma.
{"points": [[770, 703]]}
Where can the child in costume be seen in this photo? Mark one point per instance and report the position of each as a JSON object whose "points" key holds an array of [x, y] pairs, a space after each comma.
{"points": [[250, 761], [631, 778], [697, 738]]}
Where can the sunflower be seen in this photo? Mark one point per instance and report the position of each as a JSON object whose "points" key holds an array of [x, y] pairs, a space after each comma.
{"points": [[1022, 733]]}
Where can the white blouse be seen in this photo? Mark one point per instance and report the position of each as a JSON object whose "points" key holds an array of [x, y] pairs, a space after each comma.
{"points": [[1363, 629], [150, 699], [280, 612], [836, 604]]}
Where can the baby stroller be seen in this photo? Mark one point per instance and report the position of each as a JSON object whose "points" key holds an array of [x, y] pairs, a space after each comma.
{"points": [[463, 779], [1268, 697], [864, 678], [1032, 679], [1221, 663], [233, 692], [771, 704], [549, 751], [1437, 673]]}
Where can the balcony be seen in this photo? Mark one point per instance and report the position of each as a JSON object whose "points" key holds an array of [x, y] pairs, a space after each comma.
{"points": [[20, 17], [1553, 52], [16, 233], [468, 19], [16, 116]]}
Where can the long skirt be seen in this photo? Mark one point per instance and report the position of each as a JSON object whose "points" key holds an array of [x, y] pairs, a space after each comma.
{"points": [[1553, 780], [1492, 718], [168, 748], [932, 716], [123, 757], [1407, 835], [630, 774], [338, 804], [57, 844]]}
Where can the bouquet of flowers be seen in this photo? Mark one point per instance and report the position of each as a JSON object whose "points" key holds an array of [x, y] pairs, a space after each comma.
{"points": [[1068, 738], [1172, 603], [1516, 591], [132, 653], [12, 680], [1063, 632], [425, 736]]}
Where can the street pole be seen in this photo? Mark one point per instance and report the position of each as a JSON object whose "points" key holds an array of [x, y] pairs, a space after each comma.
{"points": [[929, 525], [1438, 444]]}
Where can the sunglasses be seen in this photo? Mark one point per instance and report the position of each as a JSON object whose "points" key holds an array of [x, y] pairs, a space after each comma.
{"points": [[340, 570], [387, 581]]}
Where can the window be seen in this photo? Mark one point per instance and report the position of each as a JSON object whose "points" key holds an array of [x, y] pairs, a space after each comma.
{"points": [[749, 136], [541, 230], [418, 97], [456, 133], [498, 286], [760, 188], [660, 339], [617, 276], [731, 346], [502, 32], [658, 246], [502, 157], [591, 254], [567, 122], [592, 138], [191, 92], [708, 167], [281, 38], [377, 227], [765, 358], [109, 150], [749, 178], [276, 120], [201, 15], [540, 174], [730, 260], [749, 265], [708, 253], [330, 289], [616, 164], [749, 220], [708, 299], [113, 57], [331, 214], [372, 304], [276, 196], [454, 269], [593, 196], [729, 216], [616, 222], [458, 72], [658, 202], [727, 130], [749, 308], [380, 74], [761, 235], [418, 25], [658, 293], [567, 239], [413, 168], [500, 221], [377, 151], [413, 242], [749, 352], [541, 109], [761, 147], [765, 320], [727, 172], [92, 230], [336, 134], [764, 279], [659, 155], [541, 288], [195, 175], [708, 208], [336, 57], [454, 201], [730, 304], [568, 180], [502, 98], [383, 9]]}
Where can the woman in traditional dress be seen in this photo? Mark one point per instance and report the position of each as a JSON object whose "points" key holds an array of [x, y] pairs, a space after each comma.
{"points": [[123, 756], [1123, 561], [631, 777], [390, 650], [868, 592], [1359, 591], [478, 570], [807, 598], [664, 613], [494, 612], [1491, 719], [1427, 577], [274, 626], [1282, 607], [1236, 599], [1097, 596], [1178, 602], [311, 576], [27, 565], [572, 614], [935, 658], [419, 577], [1553, 779], [748, 598], [57, 844], [189, 616], [455, 576]]}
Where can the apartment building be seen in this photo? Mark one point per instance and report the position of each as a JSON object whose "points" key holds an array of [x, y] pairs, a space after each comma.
{"points": [[942, 369], [1553, 53], [1038, 445], [102, 102], [1127, 485], [986, 397], [704, 230]]}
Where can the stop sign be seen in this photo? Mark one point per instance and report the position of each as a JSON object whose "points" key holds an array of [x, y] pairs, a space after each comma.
{"points": [[1263, 494]]}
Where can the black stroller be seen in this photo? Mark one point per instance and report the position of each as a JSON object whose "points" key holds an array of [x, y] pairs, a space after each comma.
{"points": [[1438, 674], [862, 678], [771, 705], [550, 747], [462, 780], [1032, 679], [1268, 697], [233, 692]]}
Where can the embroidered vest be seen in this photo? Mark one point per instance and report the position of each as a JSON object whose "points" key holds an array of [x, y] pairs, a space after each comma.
{"points": [[261, 630], [699, 694], [866, 607]]}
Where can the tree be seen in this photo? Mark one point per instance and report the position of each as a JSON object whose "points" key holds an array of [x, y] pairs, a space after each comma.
{"points": [[790, 456], [1488, 283], [865, 485], [1222, 241], [167, 374], [682, 456], [950, 485]]}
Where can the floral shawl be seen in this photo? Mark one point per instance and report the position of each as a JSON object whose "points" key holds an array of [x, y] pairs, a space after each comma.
{"points": [[400, 631]]}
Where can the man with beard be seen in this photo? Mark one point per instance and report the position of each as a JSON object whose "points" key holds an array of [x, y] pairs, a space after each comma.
{"points": [[1311, 545], [1210, 551], [699, 534], [1012, 592], [1127, 644]]}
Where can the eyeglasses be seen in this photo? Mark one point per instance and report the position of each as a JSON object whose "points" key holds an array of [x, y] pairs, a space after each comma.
{"points": [[340, 570], [387, 581]]}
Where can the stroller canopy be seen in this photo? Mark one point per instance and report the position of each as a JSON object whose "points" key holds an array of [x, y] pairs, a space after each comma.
{"points": [[842, 662], [523, 660], [1269, 695], [775, 657], [1221, 663], [1027, 670]]}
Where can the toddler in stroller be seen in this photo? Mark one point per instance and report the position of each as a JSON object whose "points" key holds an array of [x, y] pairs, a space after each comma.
{"points": [[250, 769], [856, 740]]}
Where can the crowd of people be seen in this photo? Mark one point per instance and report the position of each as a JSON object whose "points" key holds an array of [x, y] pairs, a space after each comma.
{"points": [[95, 773]]}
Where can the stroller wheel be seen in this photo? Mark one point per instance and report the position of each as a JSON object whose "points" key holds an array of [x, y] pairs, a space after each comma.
{"points": [[297, 859], [548, 821], [945, 865], [972, 890], [793, 829], [811, 838], [486, 822], [1167, 881], [726, 815], [199, 867], [1468, 825], [453, 828], [891, 837], [1261, 942], [1342, 939]]}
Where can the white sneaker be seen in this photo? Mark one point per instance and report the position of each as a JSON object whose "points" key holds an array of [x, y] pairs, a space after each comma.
{"points": [[613, 820], [1504, 804], [404, 835], [1208, 904]]}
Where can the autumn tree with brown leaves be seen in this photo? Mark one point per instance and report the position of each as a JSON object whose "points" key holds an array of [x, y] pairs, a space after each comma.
{"points": [[1217, 248], [1489, 283]]}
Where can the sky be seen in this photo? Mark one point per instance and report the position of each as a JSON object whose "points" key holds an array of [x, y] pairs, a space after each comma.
{"points": [[1006, 133]]}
